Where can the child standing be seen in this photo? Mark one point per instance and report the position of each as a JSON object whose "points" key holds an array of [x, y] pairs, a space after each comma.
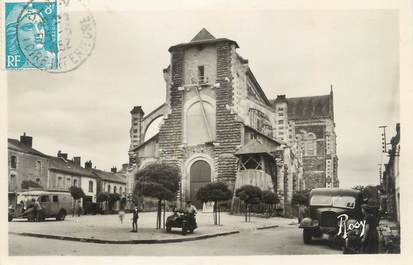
{"points": [[135, 216]]}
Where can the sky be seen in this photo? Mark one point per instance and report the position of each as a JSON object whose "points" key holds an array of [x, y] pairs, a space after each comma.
{"points": [[85, 112]]}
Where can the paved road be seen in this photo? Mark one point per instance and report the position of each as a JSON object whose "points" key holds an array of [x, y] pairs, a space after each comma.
{"points": [[282, 240]]}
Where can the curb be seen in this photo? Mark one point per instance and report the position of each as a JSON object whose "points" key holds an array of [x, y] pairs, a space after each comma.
{"points": [[267, 227], [137, 241]]}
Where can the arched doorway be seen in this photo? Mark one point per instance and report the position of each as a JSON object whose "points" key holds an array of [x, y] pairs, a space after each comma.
{"points": [[200, 175]]}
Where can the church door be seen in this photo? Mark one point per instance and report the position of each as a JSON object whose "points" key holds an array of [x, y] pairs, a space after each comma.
{"points": [[200, 175]]}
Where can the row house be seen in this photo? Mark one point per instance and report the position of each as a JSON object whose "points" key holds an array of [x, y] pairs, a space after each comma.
{"points": [[29, 167]]}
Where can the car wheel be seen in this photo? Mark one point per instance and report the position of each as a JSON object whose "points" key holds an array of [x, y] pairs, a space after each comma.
{"points": [[61, 215], [168, 229], [184, 230], [307, 236], [10, 218]]}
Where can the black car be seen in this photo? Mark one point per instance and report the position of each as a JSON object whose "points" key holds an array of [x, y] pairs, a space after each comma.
{"points": [[183, 220], [325, 207]]}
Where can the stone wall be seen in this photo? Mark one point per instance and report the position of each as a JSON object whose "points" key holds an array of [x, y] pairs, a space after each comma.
{"points": [[170, 133], [228, 130]]}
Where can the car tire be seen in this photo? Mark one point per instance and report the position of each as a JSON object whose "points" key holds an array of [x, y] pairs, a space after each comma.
{"points": [[307, 236], [61, 215], [168, 228], [184, 230], [10, 218]]}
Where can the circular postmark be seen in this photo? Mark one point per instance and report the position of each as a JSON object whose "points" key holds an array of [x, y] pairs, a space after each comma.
{"points": [[56, 35]]}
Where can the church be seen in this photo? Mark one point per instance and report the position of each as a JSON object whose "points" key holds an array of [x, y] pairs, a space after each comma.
{"points": [[217, 124]]}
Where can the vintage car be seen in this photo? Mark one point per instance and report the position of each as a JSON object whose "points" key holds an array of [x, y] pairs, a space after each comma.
{"points": [[325, 205], [53, 204]]}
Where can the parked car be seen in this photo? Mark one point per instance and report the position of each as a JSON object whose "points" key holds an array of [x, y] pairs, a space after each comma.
{"points": [[325, 205], [53, 204]]}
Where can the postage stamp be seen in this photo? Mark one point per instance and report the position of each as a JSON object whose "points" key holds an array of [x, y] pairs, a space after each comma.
{"points": [[31, 35], [50, 35]]}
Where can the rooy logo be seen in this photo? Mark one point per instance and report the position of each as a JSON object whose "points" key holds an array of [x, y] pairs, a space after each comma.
{"points": [[343, 227]]}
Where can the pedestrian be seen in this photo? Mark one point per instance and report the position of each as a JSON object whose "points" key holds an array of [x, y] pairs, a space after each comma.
{"points": [[121, 212], [135, 216], [37, 209], [370, 239], [79, 208]]}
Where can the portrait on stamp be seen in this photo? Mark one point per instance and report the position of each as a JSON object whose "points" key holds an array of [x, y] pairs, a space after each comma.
{"points": [[31, 35]]}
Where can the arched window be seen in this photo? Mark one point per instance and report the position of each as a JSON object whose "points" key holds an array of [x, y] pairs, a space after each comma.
{"points": [[12, 182], [38, 180], [200, 123], [38, 166], [114, 189], [109, 188], [310, 145], [120, 190], [68, 181], [13, 162], [59, 181], [90, 186], [75, 182]]}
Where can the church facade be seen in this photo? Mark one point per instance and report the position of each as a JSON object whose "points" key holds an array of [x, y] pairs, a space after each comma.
{"points": [[217, 124]]}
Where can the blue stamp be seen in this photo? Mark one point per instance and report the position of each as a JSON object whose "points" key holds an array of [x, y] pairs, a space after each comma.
{"points": [[31, 35]]}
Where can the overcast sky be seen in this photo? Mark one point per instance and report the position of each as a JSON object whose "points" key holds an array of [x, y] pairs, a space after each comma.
{"points": [[298, 53]]}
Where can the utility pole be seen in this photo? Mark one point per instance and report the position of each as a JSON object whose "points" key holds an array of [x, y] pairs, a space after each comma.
{"points": [[383, 138], [380, 173]]}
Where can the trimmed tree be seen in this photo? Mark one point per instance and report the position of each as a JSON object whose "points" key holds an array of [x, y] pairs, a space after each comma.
{"points": [[249, 195], [214, 192], [27, 184], [160, 181], [301, 198], [270, 199], [77, 193]]}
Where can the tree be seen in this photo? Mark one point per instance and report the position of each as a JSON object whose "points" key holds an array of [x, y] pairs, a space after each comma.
{"points": [[160, 181], [102, 197], [214, 192], [301, 198], [270, 199], [27, 184], [77, 193], [249, 195]]}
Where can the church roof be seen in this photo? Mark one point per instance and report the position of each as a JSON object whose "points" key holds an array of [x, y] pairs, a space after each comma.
{"points": [[203, 37], [254, 147], [303, 108]]}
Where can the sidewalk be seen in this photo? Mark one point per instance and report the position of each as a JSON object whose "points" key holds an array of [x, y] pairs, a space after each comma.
{"points": [[107, 228]]}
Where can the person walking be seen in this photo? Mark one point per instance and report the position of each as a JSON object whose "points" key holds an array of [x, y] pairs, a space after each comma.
{"points": [[135, 216], [79, 208], [121, 212], [37, 209]]}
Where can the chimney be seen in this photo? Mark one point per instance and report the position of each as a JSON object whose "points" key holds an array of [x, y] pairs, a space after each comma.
{"points": [[76, 160], [88, 164], [113, 169], [26, 140], [125, 167], [62, 155]]}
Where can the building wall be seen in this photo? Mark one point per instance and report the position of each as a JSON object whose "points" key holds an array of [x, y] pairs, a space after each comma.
{"points": [[105, 186], [85, 187], [27, 168], [62, 180]]}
